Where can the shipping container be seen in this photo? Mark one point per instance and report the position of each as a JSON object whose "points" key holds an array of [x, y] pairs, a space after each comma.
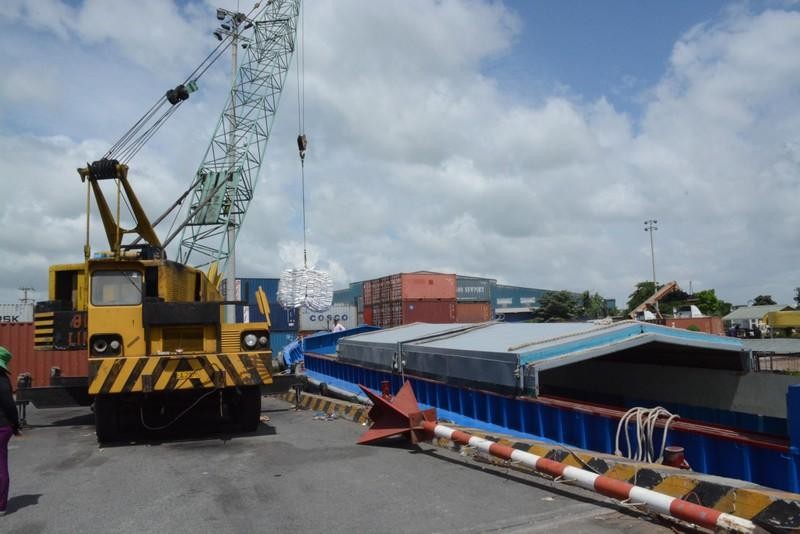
{"points": [[709, 325], [349, 295], [367, 290], [343, 296], [368, 318], [385, 289], [17, 312], [315, 321], [422, 285], [278, 340], [470, 288], [282, 319], [473, 312], [414, 311], [504, 296], [429, 311], [18, 339], [249, 286]]}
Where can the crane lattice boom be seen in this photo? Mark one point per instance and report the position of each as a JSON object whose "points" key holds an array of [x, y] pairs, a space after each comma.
{"points": [[226, 179]]}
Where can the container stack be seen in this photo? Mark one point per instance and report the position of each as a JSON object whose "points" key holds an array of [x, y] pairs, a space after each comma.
{"points": [[312, 321], [474, 299], [18, 312], [352, 295], [410, 298]]}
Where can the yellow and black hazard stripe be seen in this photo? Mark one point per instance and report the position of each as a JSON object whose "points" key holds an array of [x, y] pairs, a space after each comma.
{"points": [[170, 373], [43, 330], [771, 509], [764, 506], [317, 403]]}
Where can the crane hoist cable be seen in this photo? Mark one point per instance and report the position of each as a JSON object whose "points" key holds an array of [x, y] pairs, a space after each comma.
{"points": [[306, 286], [302, 140], [143, 130], [127, 146]]}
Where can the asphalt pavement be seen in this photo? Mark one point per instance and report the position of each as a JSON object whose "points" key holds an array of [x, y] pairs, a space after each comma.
{"points": [[297, 473]]}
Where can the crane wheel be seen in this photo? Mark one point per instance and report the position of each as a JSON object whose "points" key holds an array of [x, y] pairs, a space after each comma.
{"points": [[106, 418], [249, 410]]}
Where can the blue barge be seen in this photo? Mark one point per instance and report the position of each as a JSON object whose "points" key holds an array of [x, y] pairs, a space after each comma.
{"points": [[572, 383]]}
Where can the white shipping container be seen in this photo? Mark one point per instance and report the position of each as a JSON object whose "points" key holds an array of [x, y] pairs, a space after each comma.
{"points": [[315, 321], [16, 313]]}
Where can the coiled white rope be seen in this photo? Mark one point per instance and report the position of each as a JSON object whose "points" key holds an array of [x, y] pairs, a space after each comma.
{"points": [[645, 419]]}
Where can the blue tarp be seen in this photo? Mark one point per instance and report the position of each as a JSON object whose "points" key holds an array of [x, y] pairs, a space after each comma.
{"points": [[322, 342], [292, 353]]}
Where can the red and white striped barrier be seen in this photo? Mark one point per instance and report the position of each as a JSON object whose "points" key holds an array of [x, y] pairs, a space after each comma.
{"points": [[610, 487], [401, 415]]}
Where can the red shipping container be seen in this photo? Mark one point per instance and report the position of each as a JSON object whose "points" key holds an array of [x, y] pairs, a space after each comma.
{"points": [[473, 312], [709, 325], [385, 285], [388, 315], [368, 318], [422, 285], [18, 338], [429, 311], [367, 292]]}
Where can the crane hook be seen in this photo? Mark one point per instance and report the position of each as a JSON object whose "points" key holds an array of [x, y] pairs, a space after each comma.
{"points": [[302, 145]]}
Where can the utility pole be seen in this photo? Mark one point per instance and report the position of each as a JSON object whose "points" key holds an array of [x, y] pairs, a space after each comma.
{"points": [[25, 299], [232, 23], [650, 226]]}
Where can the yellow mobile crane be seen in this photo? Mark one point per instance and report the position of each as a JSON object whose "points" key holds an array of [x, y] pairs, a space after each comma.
{"points": [[154, 329]]}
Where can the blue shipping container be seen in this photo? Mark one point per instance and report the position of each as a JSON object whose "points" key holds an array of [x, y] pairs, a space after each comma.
{"points": [[249, 286], [515, 297], [349, 295], [474, 289], [278, 340], [282, 319]]}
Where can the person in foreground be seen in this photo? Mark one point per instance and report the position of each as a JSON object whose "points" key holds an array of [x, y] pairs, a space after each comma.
{"points": [[9, 424]]}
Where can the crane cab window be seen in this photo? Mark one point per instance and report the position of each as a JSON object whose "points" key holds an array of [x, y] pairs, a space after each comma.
{"points": [[116, 288]]}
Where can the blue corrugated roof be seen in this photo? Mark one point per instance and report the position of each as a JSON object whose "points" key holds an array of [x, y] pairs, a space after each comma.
{"points": [[613, 337], [545, 344]]}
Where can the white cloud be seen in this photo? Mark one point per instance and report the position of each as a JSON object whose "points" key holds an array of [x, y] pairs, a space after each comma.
{"points": [[417, 161]]}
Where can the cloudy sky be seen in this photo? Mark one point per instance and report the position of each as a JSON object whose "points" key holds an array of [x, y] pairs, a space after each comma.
{"points": [[525, 141]]}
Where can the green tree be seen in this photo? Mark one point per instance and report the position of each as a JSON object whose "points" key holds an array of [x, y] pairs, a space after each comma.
{"points": [[763, 300], [643, 291], [556, 306], [709, 304], [592, 306], [705, 300]]}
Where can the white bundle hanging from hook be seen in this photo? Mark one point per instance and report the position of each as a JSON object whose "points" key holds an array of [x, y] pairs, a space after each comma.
{"points": [[305, 287]]}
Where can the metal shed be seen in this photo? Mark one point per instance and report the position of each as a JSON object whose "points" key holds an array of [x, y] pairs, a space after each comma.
{"points": [[510, 356]]}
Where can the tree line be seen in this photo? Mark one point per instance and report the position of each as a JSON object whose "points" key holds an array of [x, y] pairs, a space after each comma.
{"points": [[563, 306]]}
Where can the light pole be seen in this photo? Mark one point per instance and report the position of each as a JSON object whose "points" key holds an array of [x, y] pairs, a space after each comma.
{"points": [[232, 23], [650, 226]]}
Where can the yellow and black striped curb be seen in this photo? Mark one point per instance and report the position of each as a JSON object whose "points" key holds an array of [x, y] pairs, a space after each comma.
{"points": [[774, 510], [769, 508], [343, 409]]}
